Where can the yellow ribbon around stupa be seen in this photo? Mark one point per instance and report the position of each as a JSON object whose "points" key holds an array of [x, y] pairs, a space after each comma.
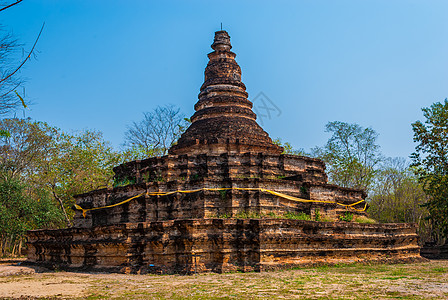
{"points": [[281, 195]]}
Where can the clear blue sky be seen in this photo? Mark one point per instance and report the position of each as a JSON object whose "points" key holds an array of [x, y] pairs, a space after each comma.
{"points": [[102, 63]]}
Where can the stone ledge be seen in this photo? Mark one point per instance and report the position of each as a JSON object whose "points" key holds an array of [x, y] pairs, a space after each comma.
{"points": [[220, 245]]}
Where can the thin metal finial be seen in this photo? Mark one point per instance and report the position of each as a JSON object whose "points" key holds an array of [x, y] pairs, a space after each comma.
{"points": [[221, 26]]}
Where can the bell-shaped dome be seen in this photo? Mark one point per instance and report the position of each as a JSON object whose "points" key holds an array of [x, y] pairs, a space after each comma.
{"points": [[224, 121]]}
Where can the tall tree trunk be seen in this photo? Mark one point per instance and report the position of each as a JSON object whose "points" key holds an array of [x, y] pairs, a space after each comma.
{"points": [[13, 251], [69, 224], [20, 246]]}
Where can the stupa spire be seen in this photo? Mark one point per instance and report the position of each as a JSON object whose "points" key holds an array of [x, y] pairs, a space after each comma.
{"points": [[221, 41], [224, 120]]}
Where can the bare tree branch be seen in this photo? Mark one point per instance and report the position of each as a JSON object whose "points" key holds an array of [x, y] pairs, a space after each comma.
{"points": [[10, 5], [28, 56], [155, 134]]}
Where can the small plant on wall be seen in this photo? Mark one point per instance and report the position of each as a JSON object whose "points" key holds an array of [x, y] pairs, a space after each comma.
{"points": [[223, 194], [124, 181], [346, 217], [303, 190]]}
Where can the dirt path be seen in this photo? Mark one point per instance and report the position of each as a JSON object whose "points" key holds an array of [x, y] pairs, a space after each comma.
{"points": [[412, 281]]}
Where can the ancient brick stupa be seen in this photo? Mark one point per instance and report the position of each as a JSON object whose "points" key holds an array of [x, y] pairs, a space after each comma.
{"points": [[224, 199]]}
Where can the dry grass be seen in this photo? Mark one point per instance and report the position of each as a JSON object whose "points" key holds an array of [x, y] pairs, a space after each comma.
{"points": [[364, 219], [402, 281]]}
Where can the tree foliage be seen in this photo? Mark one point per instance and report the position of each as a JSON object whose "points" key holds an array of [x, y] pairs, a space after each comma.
{"points": [[351, 155], [20, 212], [26, 144], [431, 161], [63, 164], [81, 163], [156, 133], [288, 148], [431, 152], [397, 196]]}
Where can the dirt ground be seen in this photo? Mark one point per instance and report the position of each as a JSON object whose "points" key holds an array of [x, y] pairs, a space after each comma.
{"points": [[428, 280]]}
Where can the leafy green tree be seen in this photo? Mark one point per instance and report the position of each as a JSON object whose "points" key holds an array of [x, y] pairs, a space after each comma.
{"points": [[431, 161], [81, 163], [351, 155], [19, 212], [45, 158], [25, 145]]}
